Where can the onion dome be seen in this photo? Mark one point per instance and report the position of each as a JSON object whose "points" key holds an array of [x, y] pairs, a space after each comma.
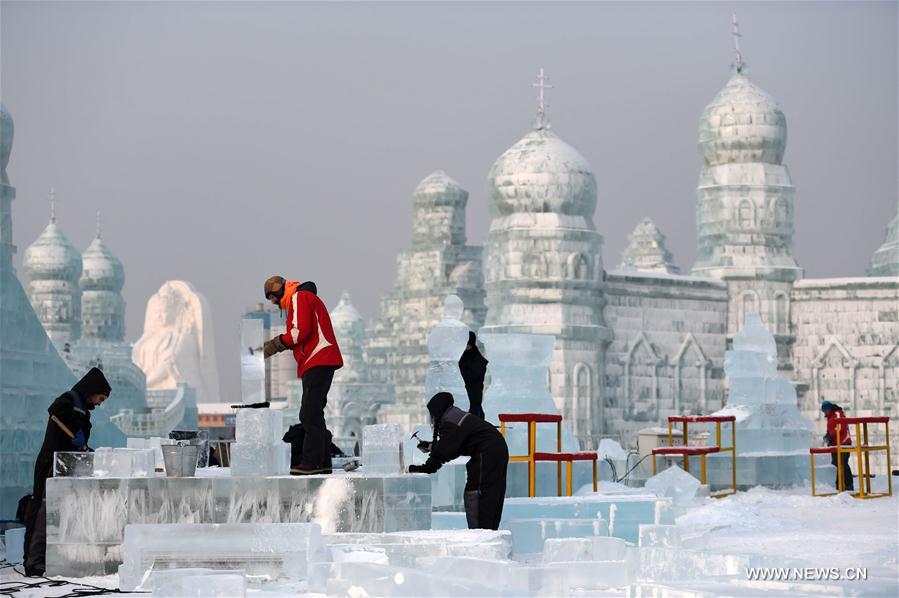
{"points": [[52, 257], [646, 251], [346, 318], [541, 173], [7, 131], [438, 204], [102, 271], [438, 188], [742, 123]]}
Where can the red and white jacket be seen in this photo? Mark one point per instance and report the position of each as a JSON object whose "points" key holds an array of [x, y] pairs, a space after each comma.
{"points": [[309, 331], [832, 418]]}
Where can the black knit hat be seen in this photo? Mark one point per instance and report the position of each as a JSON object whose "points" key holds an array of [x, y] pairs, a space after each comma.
{"points": [[92, 383]]}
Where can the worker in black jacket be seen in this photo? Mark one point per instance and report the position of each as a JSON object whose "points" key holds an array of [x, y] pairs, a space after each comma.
{"points": [[458, 433], [68, 429]]}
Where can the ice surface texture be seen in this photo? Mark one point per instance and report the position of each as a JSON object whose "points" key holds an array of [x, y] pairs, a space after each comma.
{"points": [[446, 343], [277, 551], [382, 449], [86, 517]]}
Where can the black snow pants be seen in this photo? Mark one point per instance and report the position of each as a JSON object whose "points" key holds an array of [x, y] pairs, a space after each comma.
{"points": [[317, 441], [848, 483], [485, 487]]}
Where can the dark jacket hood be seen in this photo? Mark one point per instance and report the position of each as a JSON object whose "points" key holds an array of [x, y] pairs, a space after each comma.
{"points": [[92, 383], [439, 403], [308, 286]]}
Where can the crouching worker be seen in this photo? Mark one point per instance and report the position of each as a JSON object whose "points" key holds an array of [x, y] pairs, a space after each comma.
{"points": [[457, 433], [68, 429]]}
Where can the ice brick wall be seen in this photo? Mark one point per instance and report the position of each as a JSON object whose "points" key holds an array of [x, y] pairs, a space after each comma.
{"points": [[667, 353], [847, 346]]}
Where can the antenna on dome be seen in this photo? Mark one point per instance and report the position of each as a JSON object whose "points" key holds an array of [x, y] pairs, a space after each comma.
{"points": [[51, 197], [739, 65], [99, 226], [542, 121]]}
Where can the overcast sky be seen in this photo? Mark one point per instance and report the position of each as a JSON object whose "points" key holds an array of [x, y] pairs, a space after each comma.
{"points": [[224, 142]]}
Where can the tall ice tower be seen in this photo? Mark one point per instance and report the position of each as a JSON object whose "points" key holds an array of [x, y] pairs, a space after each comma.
{"points": [[53, 266], [543, 268], [744, 208]]}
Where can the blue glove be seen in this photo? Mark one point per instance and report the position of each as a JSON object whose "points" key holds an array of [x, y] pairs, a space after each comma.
{"points": [[78, 441]]}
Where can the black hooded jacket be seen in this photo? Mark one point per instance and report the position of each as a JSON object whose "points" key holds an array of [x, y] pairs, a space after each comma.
{"points": [[473, 367], [73, 410], [457, 433]]}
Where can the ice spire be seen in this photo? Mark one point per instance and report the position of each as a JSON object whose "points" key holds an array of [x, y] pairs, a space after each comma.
{"points": [[738, 65], [647, 252], [99, 226], [542, 122], [51, 197]]}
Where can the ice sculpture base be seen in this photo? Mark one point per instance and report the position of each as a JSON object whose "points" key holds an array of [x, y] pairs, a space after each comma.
{"points": [[86, 517]]}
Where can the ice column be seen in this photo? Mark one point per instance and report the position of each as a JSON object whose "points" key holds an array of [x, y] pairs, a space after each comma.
{"points": [[446, 343], [252, 362]]}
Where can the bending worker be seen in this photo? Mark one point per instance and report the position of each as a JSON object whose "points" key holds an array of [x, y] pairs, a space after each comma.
{"points": [[457, 433], [68, 429], [311, 338]]}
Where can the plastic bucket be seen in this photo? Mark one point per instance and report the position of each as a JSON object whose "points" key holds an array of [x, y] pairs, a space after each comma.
{"points": [[180, 460]]}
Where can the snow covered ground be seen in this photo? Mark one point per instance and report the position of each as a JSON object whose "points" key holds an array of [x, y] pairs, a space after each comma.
{"points": [[817, 546]]}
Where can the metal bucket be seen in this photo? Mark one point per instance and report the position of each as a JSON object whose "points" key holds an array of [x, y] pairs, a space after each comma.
{"points": [[180, 460]]}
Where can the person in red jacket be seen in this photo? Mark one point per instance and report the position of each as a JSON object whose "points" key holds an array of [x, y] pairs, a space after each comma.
{"points": [[834, 413], [311, 338]]}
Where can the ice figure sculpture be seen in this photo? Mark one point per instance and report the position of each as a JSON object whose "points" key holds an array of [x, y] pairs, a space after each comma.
{"points": [[773, 437], [446, 343], [178, 344]]}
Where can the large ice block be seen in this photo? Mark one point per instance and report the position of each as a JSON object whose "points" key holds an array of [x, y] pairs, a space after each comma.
{"points": [[124, 463], [257, 460], [259, 426], [73, 464], [273, 550], [659, 536], [199, 583], [508, 578], [403, 548], [624, 512], [529, 535], [676, 484], [598, 548], [86, 517], [382, 449]]}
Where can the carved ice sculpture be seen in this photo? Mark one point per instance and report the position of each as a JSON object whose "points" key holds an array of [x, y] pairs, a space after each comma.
{"points": [[446, 343], [178, 344]]}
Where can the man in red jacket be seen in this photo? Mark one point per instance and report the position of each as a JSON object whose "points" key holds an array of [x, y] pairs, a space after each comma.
{"points": [[311, 337], [834, 413]]}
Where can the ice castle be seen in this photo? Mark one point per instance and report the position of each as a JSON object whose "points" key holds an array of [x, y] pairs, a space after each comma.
{"points": [[643, 341]]}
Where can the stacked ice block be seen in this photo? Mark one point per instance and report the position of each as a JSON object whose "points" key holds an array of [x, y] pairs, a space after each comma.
{"points": [[271, 551], [258, 450], [382, 449], [773, 437], [86, 517]]}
